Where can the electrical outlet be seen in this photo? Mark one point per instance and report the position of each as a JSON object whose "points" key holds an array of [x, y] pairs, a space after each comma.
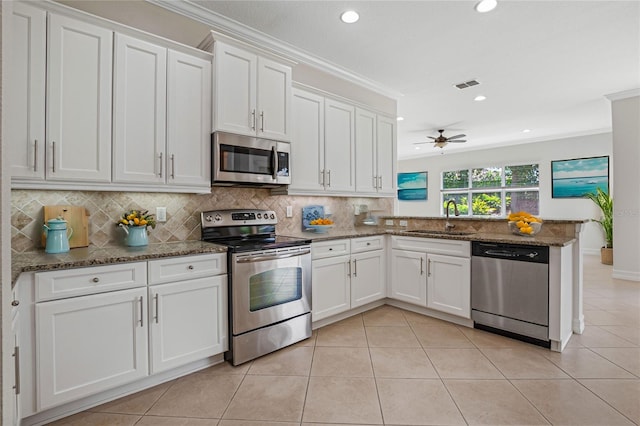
{"points": [[289, 211], [161, 214], [388, 222], [403, 223]]}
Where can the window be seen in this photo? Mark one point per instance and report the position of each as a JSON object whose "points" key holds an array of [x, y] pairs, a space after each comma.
{"points": [[492, 191]]}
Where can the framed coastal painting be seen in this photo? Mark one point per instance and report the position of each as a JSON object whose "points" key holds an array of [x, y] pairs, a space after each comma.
{"points": [[580, 176], [412, 186]]}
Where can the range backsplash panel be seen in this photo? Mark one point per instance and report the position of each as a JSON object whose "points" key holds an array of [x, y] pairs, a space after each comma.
{"points": [[183, 212]]}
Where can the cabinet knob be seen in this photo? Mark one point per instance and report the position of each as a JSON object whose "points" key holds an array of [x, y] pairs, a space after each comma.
{"points": [[330, 249], [15, 303], [368, 244], [190, 267], [96, 280]]}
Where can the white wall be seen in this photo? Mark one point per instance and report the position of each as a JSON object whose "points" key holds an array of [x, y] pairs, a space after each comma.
{"points": [[537, 152]]}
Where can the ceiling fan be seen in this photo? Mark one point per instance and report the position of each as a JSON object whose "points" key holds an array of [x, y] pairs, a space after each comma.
{"points": [[441, 141]]}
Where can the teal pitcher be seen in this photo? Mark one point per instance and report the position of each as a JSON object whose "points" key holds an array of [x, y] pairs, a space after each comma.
{"points": [[136, 235], [57, 236]]}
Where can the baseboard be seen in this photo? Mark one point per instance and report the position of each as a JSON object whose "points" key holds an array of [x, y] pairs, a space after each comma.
{"points": [[625, 275]]}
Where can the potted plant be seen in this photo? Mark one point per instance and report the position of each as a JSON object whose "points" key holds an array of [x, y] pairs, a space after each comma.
{"points": [[605, 202]]}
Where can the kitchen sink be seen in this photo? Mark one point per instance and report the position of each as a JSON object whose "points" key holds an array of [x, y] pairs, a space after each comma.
{"points": [[429, 232]]}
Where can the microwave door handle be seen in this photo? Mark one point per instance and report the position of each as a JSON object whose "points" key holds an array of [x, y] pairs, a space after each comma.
{"points": [[254, 259], [274, 162]]}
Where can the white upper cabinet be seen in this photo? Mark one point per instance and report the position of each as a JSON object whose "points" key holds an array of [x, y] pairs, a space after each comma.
{"points": [[188, 120], [386, 153], [307, 146], [27, 92], [366, 167], [339, 148], [252, 94], [79, 100], [139, 113]]}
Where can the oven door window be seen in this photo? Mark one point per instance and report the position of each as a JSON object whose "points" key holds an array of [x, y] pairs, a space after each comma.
{"points": [[275, 287], [240, 159]]}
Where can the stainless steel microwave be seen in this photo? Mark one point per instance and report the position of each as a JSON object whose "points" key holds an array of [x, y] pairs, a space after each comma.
{"points": [[245, 160]]}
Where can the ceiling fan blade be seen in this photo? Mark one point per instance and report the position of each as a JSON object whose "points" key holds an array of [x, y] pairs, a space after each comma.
{"points": [[420, 143], [456, 136], [457, 141], [431, 137]]}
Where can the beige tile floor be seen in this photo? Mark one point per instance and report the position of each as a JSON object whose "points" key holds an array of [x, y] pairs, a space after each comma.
{"points": [[394, 367]]}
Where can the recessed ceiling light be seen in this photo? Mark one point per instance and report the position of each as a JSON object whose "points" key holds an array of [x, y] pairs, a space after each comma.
{"points": [[349, 17], [400, 118], [480, 98], [526, 130], [486, 6], [417, 147]]}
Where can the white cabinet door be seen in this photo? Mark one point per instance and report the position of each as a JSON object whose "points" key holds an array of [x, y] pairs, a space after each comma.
{"points": [[307, 145], [366, 174], [408, 277], [26, 106], [386, 154], [339, 146], [188, 120], [139, 111], [79, 100], [330, 293], [89, 344], [235, 90], [449, 284], [368, 277], [274, 100], [188, 321]]}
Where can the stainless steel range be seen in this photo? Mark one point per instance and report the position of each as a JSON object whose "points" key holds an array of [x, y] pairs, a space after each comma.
{"points": [[269, 281]]}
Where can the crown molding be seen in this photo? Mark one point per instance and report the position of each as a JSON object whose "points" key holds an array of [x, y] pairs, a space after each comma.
{"points": [[623, 95], [246, 34]]}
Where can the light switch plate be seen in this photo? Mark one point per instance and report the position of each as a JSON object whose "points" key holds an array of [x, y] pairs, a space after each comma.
{"points": [[403, 223], [388, 222], [161, 214]]}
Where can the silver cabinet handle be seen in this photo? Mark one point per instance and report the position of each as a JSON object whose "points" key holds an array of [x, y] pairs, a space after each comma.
{"points": [[157, 315], [421, 266], [96, 280], [355, 267], [262, 121], [380, 183], [429, 268], [173, 166], [35, 155], [349, 268], [53, 156], [322, 177], [329, 180], [253, 119], [16, 366], [160, 174], [141, 312], [375, 182]]}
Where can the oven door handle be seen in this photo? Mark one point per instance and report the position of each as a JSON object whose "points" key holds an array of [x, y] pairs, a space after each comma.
{"points": [[254, 259]]}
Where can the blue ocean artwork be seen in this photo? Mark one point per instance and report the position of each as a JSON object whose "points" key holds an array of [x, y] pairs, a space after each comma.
{"points": [[412, 194], [413, 180], [575, 178]]}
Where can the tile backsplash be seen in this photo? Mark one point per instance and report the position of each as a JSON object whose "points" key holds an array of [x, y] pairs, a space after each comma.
{"points": [[183, 211]]}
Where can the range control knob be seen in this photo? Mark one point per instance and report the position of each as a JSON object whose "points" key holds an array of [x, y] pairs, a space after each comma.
{"points": [[208, 218], [273, 216], [259, 215], [218, 217]]}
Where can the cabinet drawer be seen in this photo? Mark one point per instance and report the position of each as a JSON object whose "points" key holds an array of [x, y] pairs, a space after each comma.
{"points": [[433, 245], [186, 267], [330, 249], [97, 279], [359, 245]]}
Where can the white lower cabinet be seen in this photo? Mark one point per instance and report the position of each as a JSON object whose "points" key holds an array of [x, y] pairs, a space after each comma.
{"points": [[89, 344], [347, 274], [187, 321], [433, 273]]}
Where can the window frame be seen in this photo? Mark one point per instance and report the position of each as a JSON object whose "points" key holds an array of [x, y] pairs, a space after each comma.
{"points": [[502, 189]]}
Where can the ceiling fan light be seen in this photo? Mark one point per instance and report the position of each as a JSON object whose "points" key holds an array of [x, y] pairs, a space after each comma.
{"points": [[484, 6], [349, 17]]}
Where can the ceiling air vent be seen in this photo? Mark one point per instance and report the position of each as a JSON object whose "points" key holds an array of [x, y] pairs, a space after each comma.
{"points": [[467, 84]]}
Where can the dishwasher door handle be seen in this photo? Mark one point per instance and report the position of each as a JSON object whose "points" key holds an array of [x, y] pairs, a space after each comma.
{"points": [[501, 253]]}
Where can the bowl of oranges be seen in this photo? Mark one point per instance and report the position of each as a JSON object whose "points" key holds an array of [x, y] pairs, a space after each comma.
{"points": [[321, 225], [523, 223]]}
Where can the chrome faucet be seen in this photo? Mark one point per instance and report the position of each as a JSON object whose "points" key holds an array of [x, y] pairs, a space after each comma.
{"points": [[448, 226]]}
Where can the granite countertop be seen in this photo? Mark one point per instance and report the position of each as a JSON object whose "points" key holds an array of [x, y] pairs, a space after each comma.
{"points": [[92, 256]]}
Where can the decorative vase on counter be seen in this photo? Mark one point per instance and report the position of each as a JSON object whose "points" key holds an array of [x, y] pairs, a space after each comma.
{"points": [[136, 236], [57, 236]]}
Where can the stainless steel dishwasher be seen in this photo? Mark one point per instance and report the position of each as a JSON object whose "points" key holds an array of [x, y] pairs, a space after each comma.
{"points": [[510, 290]]}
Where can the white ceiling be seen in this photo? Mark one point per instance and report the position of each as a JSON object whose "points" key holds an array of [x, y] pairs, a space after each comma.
{"points": [[543, 65]]}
